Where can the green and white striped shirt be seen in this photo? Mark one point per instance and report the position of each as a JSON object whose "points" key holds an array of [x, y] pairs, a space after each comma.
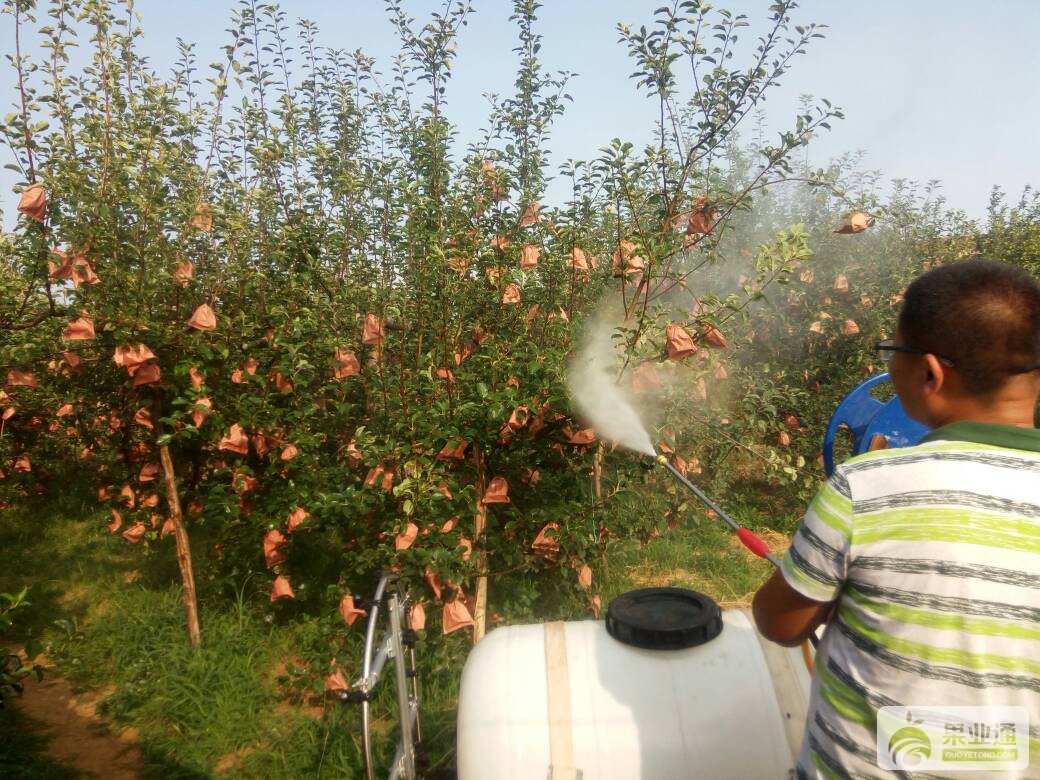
{"points": [[933, 553]]}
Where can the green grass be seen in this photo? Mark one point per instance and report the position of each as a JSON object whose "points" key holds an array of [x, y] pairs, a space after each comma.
{"points": [[249, 702], [705, 557]]}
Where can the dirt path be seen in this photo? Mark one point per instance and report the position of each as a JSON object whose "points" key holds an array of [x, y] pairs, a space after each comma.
{"points": [[79, 737]]}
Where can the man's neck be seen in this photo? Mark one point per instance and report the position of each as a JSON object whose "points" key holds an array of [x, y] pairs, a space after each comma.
{"points": [[1018, 409], [992, 419]]}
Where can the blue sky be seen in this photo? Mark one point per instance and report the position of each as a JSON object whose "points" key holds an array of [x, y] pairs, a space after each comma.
{"points": [[932, 89]]}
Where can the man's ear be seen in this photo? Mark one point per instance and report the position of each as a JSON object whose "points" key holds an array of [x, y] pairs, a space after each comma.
{"points": [[935, 374]]}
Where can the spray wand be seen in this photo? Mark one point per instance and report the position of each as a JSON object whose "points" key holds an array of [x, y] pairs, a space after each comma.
{"points": [[747, 537]]}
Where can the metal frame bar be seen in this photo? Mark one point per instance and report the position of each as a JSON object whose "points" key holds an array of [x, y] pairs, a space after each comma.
{"points": [[390, 646], [397, 767], [404, 704]]}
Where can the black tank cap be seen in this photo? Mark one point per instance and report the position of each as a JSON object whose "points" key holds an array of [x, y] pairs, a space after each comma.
{"points": [[663, 618]]}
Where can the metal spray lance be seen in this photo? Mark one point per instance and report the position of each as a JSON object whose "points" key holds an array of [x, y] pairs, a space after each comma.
{"points": [[747, 537]]}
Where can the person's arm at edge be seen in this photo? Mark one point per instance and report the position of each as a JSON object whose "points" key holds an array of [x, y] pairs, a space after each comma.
{"points": [[801, 594], [785, 616]]}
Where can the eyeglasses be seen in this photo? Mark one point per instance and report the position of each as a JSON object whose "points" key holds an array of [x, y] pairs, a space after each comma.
{"points": [[887, 349]]}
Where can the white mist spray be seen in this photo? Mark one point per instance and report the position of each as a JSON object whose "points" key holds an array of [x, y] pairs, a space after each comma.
{"points": [[592, 382]]}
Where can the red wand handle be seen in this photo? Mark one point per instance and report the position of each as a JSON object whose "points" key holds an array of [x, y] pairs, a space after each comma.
{"points": [[753, 542]]}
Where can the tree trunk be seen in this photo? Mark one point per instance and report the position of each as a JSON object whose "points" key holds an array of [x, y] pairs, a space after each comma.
{"points": [[180, 534], [480, 521], [597, 473], [597, 497]]}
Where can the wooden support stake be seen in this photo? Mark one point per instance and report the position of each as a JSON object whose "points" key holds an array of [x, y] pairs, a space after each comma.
{"points": [[480, 521], [597, 473], [180, 534], [597, 497]]}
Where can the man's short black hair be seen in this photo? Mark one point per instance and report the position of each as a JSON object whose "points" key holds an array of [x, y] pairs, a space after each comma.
{"points": [[983, 315]]}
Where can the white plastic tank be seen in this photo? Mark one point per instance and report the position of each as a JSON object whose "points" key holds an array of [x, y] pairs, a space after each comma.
{"points": [[734, 707]]}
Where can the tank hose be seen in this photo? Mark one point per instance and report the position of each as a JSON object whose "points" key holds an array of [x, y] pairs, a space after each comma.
{"points": [[807, 656]]}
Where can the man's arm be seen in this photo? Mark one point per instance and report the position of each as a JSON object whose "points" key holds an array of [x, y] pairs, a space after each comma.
{"points": [[785, 616], [801, 594]]}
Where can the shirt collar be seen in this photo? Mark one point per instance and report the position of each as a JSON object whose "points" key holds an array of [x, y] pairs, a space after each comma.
{"points": [[1010, 437]]}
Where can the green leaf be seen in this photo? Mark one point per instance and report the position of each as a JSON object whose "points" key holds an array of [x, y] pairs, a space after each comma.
{"points": [[33, 648]]}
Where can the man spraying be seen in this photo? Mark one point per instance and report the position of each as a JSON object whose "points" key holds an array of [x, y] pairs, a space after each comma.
{"points": [[925, 561]]}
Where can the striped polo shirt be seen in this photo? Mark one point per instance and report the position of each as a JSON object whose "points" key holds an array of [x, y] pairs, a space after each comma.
{"points": [[933, 553]]}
